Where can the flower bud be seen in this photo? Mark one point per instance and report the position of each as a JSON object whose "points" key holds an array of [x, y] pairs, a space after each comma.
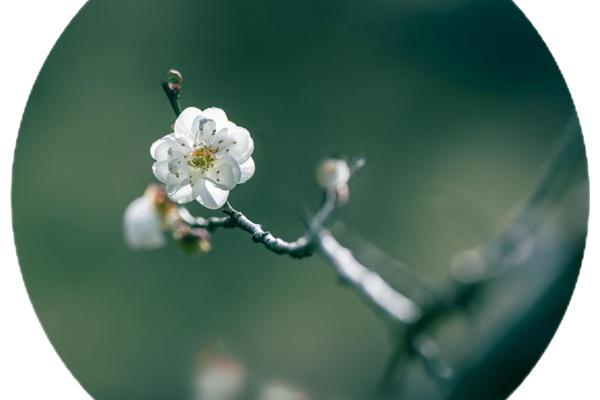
{"points": [[192, 240], [142, 223], [174, 79], [333, 173]]}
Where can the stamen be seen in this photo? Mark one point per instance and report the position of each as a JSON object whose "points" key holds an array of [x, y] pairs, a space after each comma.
{"points": [[202, 158]]}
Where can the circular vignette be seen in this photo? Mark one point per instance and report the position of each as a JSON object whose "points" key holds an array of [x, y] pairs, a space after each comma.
{"points": [[458, 111]]}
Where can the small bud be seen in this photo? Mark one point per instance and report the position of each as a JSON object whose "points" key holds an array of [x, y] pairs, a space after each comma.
{"points": [[192, 240], [174, 79], [358, 163], [333, 173], [205, 245]]}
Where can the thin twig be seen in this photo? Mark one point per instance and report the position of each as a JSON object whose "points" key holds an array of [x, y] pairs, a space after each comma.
{"points": [[527, 214], [210, 223], [299, 248]]}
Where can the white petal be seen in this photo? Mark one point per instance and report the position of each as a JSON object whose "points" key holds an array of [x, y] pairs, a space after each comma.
{"points": [[211, 196], [216, 137], [163, 172], [181, 193], [247, 170], [177, 164], [168, 146], [159, 149], [236, 142], [160, 169], [141, 225], [175, 187], [217, 115], [225, 174], [187, 124], [209, 129]]}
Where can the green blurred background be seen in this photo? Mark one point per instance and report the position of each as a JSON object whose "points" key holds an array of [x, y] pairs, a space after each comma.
{"points": [[454, 103]]}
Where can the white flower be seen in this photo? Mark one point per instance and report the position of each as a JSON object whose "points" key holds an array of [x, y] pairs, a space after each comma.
{"points": [[281, 391], [204, 158], [142, 223], [333, 173]]}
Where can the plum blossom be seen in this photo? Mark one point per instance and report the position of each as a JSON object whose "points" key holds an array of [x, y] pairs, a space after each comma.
{"points": [[142, 222], [204, 158]]}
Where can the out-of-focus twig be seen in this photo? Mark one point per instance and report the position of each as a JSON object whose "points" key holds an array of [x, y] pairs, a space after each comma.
{"points": [[489, 260], [367, 283]]}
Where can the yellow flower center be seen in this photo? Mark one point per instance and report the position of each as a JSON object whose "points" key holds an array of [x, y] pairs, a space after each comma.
{"points": [[202, 158]]}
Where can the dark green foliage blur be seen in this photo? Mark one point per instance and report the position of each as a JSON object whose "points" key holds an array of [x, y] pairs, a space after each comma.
{"points": [[454, 104]]}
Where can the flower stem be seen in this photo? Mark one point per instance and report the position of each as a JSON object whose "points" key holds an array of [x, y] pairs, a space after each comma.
{"points": [[173, 96]]}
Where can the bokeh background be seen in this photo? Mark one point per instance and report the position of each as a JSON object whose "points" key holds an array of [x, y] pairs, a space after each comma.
{"points": [[454, 103]]}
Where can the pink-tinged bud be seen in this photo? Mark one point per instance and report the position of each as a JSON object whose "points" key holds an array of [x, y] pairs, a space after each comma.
{"points": [[342, 194], [332, 173], [192, 240]]}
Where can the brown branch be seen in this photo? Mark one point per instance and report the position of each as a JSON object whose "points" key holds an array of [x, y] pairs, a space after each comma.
{"points": [[299, 248]]}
